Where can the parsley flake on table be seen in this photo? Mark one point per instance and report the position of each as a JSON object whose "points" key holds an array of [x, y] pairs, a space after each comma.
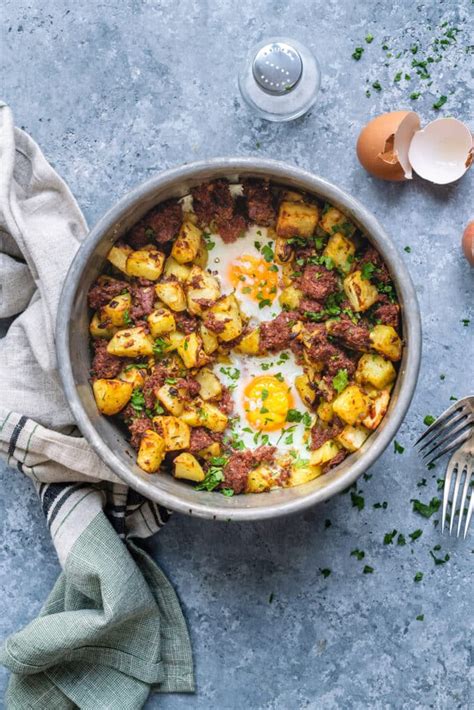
{"points": [[327, 523], [426, 509], [357, 501], [377, 86], [440, 102], [418, 577], [420, 617], [325, 572], [368, 569], [415, 535], [415, 95], [429, 419], [398, 448], [465, 322], [388, 537], [369, 38], [357, 53], [358, 554], [439, 560], [401, 540]]}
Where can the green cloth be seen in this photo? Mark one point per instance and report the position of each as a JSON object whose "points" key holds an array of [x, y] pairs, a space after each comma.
{"points": [[111, 630]]}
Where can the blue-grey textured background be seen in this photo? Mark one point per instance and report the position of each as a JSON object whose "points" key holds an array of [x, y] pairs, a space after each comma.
{"points": [[114, 92]]}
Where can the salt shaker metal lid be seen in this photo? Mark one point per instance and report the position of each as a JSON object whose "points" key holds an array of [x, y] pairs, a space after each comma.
{"points": [[280, 79]]}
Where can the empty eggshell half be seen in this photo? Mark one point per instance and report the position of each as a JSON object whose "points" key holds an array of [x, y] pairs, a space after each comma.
{"points": [[442, 151], [383, 141]]}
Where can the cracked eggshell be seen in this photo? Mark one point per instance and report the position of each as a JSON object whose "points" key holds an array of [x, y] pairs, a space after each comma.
{"points": [[383, 145], [442, 151]]}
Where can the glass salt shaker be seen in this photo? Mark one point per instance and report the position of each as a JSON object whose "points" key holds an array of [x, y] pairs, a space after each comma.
{"points": [[280, 79]]}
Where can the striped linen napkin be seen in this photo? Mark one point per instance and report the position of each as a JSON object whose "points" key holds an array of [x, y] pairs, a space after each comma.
{"points": [[112, 628]]}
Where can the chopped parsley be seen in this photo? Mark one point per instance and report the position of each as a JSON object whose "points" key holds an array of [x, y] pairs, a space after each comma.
{"points": [[401, 540], [357, 501], [137, 400], [214, 475], [398, 448], [160, 346], [465, 322], [232, 372], [440, 102], [358, 554], [383, 505], [327, 523], [439, 560], [377, 86], [388, 537], [407, 249], [420, 617], [135, 365], [229, 492], [325, 572], [369, 38], [126, 318], [208, 241], [267, 253], [429, 419], [415, 95], [418, 577], [340, 380], [426, 509], [357, 53], [367, 270], [294, 415], [368, 569], [415, 535]]}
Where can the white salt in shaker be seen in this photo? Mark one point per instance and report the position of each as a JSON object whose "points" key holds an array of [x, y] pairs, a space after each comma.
{"points": [[280, 79]]}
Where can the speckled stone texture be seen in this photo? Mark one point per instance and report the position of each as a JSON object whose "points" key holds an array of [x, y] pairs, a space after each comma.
{"points": [[115, 92]]}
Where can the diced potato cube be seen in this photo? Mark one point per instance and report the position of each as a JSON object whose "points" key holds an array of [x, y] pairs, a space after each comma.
{"points": [[324, 454], [283, 251], [259, 479], [151, 452], [302, 474], [375, 370], [226, 311], [360, 292], [292, 196], [332, 217], [174, 431], [352, 437], [377, 409], [188, 467], [250, 343], [118, 256], [209, 340], [202, 290], [111, 395], [186, 245], [172, 294], [325, 412], [146, 263], [160, 322], [134, 375], [117, 310], [174, 268], [290, 297], [131, 342], [296, 219], [99, 328], [385, 340], [202, 257], [174, 339], [190, 350], [210, 384], [210, 451], [352, 405], [341, 250], [171, 398], [200, 413], [305, 391]]}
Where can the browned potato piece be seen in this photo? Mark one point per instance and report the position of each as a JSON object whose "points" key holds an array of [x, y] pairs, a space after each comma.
{"points": [[160, 322], [172, 294], [131, 342], [296, 219], [174, 431], [332, 217], [99, 328], [146, 263], [260, 479], [186, 245], [352, 437], [111, 396], [179, 271], [250, 344], [305, 391], [360, 292], [201, 413], [151, 452], [191, 351], [375, 370], [118, 256], [171, 398], [341, 250], [134, 375], [352, 405], [188, 467], [209, 339], [385, 341], [324, 454], [302, 474], [210, 384], [226, 311], [377, 409], [290, 297], [202, 288], [117, 310]]}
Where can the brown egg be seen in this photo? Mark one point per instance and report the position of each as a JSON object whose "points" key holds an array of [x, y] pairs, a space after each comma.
{"points": [[468, 242], [377, 149]]}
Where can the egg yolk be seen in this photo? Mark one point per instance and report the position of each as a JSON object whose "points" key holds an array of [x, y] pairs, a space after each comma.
{"points": [[255, 277], [266, 403]]}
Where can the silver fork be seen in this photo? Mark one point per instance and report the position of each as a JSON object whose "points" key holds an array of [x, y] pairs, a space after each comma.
{"points": [[450, 430], [461, 465]]}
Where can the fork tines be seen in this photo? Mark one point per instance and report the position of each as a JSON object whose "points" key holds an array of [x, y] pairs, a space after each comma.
{"points": [[450, 430], [459, 475]]}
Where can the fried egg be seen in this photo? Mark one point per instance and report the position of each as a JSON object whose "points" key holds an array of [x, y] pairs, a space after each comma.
{"points": [[247, 268]]}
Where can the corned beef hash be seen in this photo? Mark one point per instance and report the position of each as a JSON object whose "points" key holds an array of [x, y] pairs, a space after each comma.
{"points": [[246, 336]]}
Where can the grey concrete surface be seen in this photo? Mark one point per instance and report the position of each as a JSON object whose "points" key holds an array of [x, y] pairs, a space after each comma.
{"points": [[114, 92]]}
